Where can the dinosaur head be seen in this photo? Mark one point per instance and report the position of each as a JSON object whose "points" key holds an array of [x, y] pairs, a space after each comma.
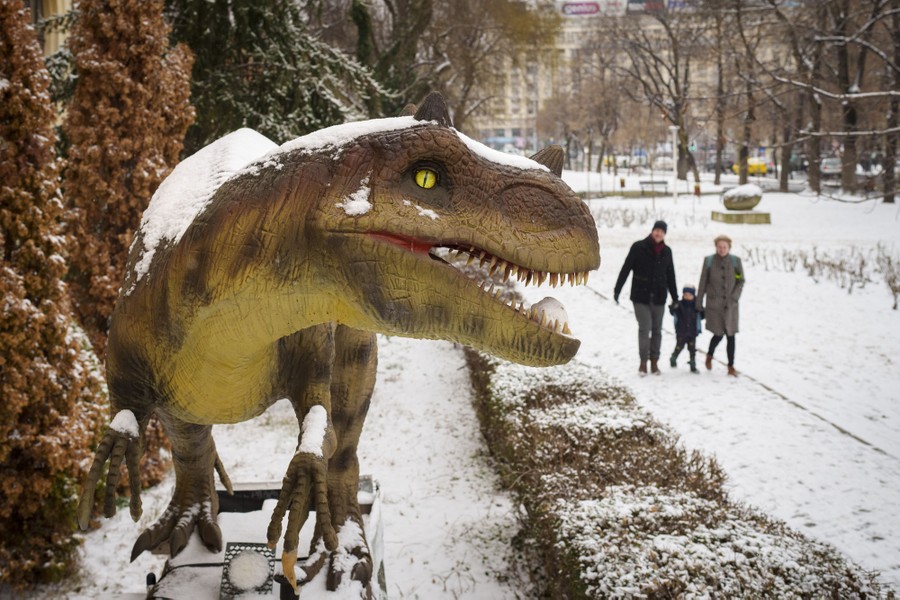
{"points": [[412, 201]]}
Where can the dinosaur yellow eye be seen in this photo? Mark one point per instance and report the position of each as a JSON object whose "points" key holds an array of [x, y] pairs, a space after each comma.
{"points": [[426, 178]]}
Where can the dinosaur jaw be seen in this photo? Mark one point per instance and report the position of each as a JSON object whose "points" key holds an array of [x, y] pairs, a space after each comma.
{"points": [[479, 284]]}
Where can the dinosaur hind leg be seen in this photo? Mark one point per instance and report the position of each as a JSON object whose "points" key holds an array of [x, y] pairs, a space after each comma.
{"points": [[352, 382], [194, 502]]}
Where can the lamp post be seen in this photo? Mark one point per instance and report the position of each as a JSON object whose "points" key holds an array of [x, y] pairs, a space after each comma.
{"points": [[674, 130]]}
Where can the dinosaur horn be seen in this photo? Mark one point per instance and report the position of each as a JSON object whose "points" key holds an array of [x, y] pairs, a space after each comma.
{"points": [[434, 108], [551, 157], [408, 110]]}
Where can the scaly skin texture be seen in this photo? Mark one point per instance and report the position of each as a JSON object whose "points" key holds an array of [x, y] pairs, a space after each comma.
{"points": [[276, 290]]}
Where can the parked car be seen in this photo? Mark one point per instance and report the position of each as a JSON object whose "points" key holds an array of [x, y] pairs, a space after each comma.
{"points": [[830, 168], [755, 166], [799, 162], [661, 163], [726, 164]]}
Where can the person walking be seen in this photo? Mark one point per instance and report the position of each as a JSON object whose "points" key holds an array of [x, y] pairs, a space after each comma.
{"points": [[650, 261], [687, 327], [718, 297]]}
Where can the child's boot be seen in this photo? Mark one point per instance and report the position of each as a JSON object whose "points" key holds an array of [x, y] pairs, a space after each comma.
{"points": [[673, 360]]}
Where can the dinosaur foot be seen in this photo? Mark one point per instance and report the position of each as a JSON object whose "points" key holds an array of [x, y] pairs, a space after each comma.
{"points": [[175, 526], [194, 505], [350, 562]]}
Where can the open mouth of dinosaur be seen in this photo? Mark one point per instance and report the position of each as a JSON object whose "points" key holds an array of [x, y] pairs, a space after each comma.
{"points": [[496, 276]]}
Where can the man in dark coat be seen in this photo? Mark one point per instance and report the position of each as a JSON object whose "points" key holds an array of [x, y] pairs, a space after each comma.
{"points": [[650, 260]]}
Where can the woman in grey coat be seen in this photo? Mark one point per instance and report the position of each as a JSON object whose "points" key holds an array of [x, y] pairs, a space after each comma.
{"points": [[718, 294]]}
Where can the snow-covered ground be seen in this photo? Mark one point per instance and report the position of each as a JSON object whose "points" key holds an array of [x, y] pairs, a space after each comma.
{"points": [[810, 431]]}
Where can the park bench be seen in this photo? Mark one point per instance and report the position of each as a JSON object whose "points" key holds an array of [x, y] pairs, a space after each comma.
{"points": [[653, 186]]}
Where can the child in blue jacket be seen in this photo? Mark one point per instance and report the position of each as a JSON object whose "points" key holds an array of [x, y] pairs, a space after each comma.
{"points": [[687, 326]]}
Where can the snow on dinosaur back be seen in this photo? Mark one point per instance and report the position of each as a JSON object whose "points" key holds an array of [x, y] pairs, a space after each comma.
{"points": [[189, 188]]}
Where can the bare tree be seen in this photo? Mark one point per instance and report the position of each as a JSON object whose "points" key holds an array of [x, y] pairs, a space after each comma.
{"points": [[832, 42], [660, 50], [473, 44]]}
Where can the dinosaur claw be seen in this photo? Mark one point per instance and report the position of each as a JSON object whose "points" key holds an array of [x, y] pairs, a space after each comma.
{"points": [[211, 535], [136, 508], [141, 544], [362, 572], [288, 560], [177, 542], [84, 509], [330, 538]]}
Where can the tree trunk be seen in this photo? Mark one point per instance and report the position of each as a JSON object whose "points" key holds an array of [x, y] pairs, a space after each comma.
{"points": [[748, 131], [893, 116], [720, 99], [848, 116], [786, 151]]}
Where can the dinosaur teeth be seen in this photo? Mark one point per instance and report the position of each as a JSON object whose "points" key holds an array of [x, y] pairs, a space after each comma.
{"points": [[507, 271], [541, 277], [528, 278], [566, 329], [494, 265], [554, 279]]}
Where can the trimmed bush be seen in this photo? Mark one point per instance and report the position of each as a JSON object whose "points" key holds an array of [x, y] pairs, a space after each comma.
{"points": [[616, 508]]}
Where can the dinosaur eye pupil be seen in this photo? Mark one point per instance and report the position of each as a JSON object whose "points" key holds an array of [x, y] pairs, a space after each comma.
{"points": [[426, 178]]}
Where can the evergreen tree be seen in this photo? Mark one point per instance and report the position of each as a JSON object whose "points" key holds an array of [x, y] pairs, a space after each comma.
{"points": [[258, 66], [51, 391], [124, 126]]}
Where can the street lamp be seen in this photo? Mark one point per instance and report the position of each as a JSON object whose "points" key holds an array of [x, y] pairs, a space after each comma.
{"points": [[674, 130]]}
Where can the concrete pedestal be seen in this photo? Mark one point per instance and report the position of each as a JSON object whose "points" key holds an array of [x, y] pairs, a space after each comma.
{"points": [[750, 217]]}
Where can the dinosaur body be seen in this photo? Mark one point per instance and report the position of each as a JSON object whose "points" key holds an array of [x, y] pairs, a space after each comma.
{"points": [[274, 286]]}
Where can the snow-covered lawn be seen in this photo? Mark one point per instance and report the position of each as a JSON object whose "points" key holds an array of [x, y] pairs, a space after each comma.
{"points": [[809, 433]]}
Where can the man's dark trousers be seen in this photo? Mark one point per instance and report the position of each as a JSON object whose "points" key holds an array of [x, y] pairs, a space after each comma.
{"points": [[649, 318]]}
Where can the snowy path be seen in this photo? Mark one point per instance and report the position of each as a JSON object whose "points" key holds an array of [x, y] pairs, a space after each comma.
{"points": [[447, 529]]}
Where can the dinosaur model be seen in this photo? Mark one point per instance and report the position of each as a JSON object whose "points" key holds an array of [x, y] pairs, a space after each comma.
{"points": [[263, 272]]}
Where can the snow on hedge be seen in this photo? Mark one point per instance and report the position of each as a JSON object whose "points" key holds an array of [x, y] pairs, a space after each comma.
{"points": [[646, 541], [617, 508]]}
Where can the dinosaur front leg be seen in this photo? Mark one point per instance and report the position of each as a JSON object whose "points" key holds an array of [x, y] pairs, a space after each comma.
{"points": [[194, 502], [305, 483], [306, 361]]}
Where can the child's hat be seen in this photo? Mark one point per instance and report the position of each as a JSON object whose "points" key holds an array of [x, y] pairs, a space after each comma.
{"points": [[689, 289]]}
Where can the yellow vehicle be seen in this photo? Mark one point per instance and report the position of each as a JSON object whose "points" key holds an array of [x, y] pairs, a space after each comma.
{"points": [[755, 166]]}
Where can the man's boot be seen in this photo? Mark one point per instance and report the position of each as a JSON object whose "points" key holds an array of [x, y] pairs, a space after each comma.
{"points": [[654, 366], [673, 360], [643, 367], [731, 371], [693, 364], [709, 362]]}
